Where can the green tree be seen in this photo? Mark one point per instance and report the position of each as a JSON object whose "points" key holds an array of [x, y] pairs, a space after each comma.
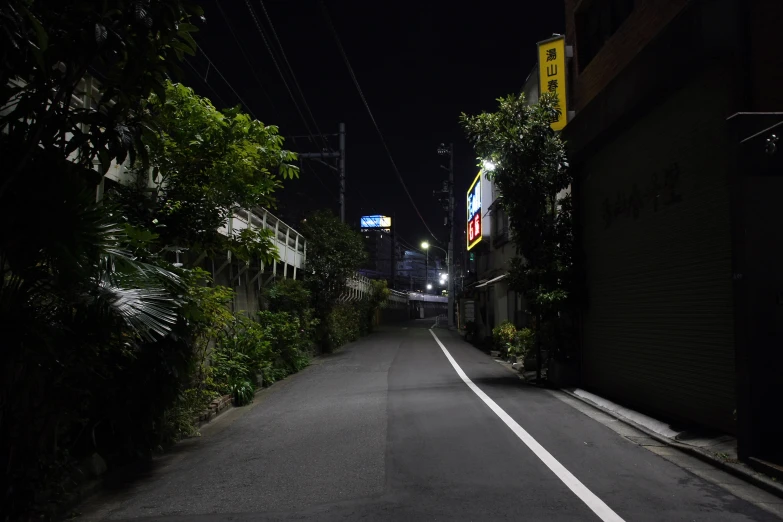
{"points": [[531, 170], [334, 253], [78, 311], [48, 46], [205, 164]]}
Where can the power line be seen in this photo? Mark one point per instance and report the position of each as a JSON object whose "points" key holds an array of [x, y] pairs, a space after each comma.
{"points": [[244, 54], [212, 64], [375, 123], [206, 83], [277, 66], [321, 181], [293, 76]]}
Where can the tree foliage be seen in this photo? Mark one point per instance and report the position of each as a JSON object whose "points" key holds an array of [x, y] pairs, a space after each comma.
{"points": [[205, 163], [531, 170], [48, 46], [79, 310], [334, 253]]}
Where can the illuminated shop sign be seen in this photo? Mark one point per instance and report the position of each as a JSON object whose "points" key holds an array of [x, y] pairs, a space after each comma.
{"points": [[375, 223], [475, 231]]}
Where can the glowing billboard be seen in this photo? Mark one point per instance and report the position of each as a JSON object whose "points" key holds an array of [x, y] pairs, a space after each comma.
{"points": [[475, 231], [375, 223], [552, 75]]}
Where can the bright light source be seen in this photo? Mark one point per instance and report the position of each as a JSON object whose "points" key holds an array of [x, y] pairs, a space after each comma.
{"points": [[488, 166], [425, 245], [429, 286]]}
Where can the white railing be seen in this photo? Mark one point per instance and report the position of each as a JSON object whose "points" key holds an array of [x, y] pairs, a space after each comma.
{"points": [[357, 287], [291, 245], [396, 299]]}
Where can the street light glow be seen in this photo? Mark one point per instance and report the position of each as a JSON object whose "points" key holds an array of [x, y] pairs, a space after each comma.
{"points": [[488, 166], [429, 286], [425, 245]]}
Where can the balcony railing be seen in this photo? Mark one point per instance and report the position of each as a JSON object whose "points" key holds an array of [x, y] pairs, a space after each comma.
{"points": [[291, 245]]}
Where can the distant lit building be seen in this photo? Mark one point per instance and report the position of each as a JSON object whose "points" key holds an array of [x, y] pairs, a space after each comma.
{"points": [[378, 235]]}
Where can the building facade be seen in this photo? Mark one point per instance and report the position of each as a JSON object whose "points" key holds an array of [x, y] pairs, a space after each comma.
{"points": [[488, 300], [674, 193]]}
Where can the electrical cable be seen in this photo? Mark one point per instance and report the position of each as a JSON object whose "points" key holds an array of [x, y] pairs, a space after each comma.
{"points": [[298, 87], [244, 54], [293, 76], [279, 70], [211, 63], [206, 83], [321, 181], [375, 123]]}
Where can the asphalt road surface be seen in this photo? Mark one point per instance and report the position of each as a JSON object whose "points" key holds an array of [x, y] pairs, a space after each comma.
{"points": [[398, 427]]}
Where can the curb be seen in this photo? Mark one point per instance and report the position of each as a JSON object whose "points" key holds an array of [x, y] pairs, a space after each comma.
{"points": [[737, 470]]}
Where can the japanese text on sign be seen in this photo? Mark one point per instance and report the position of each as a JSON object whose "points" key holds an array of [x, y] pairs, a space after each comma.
{"points": [[474, 232], [552, 75]]}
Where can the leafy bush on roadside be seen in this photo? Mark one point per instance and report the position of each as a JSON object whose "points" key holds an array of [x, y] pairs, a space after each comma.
{"points": [[512, 342], [503, 337], [524, 342]]}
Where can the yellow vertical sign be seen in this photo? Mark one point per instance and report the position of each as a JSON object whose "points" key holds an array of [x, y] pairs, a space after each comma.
{"points": [[552, 74]]}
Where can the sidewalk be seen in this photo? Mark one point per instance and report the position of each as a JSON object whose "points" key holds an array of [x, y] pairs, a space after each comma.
{"points": [[718, 450]]}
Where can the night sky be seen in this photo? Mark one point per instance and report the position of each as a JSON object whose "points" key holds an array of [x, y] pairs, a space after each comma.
{"points": [[420, 64]]}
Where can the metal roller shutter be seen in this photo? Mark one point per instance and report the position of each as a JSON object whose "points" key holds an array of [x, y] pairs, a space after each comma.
{"points": [[658, 331]]}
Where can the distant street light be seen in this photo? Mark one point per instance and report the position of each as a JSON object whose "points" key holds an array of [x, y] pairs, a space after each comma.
{"points": [[429, 286], [425, 245], [488, 166]]}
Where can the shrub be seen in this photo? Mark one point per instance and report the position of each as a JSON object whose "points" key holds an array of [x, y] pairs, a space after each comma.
{"points": [[524, 341], [343, 325], [504, 336], [283, 332], [288, 295]]}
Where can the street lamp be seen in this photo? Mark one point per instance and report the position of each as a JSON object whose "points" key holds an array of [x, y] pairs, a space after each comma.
{"points": [[425, 245], [488, 165]]}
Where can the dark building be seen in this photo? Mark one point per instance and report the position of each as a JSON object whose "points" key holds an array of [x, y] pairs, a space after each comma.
{"points": [[416, 268], [381, 252], [677, 181]]}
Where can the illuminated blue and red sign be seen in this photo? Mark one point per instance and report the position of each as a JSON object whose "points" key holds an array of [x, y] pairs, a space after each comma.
{"points": [[474, 212]]}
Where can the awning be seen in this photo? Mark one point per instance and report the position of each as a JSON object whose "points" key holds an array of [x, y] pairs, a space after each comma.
{"points": [[492, 281], [476, 283]]}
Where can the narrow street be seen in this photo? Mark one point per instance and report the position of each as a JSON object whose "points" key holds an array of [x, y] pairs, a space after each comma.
{"points": [[387, 429]]}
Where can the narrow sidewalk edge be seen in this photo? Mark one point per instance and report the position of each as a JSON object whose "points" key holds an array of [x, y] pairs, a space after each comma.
{"points": [[738, 470]]}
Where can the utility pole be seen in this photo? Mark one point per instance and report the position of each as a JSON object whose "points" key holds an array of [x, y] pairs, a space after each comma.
{"points": [[342, 172], [426, 270], [449, 207], [393, 253], [340, 157], [451, 236]]}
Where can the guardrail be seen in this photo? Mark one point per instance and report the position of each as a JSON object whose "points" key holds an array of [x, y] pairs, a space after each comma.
{"points": [[291, 245]]}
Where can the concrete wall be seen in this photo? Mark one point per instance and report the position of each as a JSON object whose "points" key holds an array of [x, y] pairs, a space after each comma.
{"points": [[640, 28]]}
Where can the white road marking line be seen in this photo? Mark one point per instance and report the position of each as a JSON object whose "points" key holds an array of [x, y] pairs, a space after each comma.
{"points": [[597, 505]]}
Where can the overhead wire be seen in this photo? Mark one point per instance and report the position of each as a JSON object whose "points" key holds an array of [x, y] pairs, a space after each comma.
{"points": [[321, 181], [369, 111], [244, 54], [324, 141], [203, 79], [211, 63], [279, 70], [293, 76]]}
